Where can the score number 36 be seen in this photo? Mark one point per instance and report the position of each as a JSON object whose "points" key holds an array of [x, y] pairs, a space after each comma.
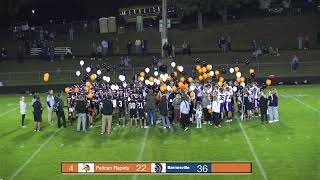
{"points": [[202, 168]]}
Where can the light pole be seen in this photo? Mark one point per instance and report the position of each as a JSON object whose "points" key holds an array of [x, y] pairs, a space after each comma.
{"points": [[164, 36]]}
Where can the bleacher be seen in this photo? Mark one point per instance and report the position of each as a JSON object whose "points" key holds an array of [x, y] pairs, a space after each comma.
{"points": [[58, 51]]}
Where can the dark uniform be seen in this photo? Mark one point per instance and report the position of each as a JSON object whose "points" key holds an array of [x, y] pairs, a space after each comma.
{"points": [[263, 104]]}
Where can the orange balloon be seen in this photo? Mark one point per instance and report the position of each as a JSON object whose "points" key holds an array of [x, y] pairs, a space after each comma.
{"points": [[90, 96], [251, 71], [88, 84], [76, 90], [186, 86], [200, 78], [190, 79], [236, 69], [174, 88], [93, 77], [242, 79], [220, 84], [170, 78], [86, 88], [209, 67], [67, 90], [175, 74], [221, 79], [268, 82], [181, 85], [163, 88], [198, 67], [238, 80], [217, 72], [200, 71], [205, 76], [45, 78], [204, 69], [182, 79], [151, 78], [142, 74], [192, 94], [158, 98]]}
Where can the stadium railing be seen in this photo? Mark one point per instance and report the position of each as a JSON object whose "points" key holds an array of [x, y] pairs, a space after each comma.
{"points": [[58, 51]]}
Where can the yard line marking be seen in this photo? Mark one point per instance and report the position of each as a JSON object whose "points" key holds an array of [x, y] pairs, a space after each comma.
{"points": [[11, 110], [253, 152], [33, 155], [134, 177], [298, 100]]}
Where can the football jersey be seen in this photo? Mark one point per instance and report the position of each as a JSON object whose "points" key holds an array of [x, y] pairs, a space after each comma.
{"points": [[132, 104], [229, 96], [221, 96], [121, 103], [140, 104]]}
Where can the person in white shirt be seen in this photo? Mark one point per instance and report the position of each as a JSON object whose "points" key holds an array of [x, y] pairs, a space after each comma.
{"points": [[216, 112], [198, 115], [105, 46], [184, 112], [50, 103], [23, 110]]}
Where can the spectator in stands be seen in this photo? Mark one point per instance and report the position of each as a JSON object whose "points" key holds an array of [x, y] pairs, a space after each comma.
{"points": [[20, 53], [4, 54], [71, 32], [99, 52], [169, 50], [300, 39], [129, 47], [93, 50], [104, 45], [173, 47], [144, 47], [306, 42], [189, 48], [137, 45], [229, 44], [223, 43], [165, 49], [51, 53], [117, 45], [253, 45], [295, 63], [52, 36], [110, 47], [318, 37], [41, 34], [184, 48]]}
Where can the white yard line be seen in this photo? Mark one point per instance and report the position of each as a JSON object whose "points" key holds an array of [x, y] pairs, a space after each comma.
{"points": [[7, 112], [134, 177], [33, 155], [253, 152], [298, 100]]}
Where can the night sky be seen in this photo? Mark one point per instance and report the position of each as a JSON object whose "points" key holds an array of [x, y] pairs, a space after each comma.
{"points": [[71, 9]]}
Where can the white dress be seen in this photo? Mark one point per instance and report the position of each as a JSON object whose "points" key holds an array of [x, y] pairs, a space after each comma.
{"points": [[23, 107]]}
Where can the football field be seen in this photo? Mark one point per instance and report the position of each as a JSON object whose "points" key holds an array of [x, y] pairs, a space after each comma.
{"points": [[289, 149]]}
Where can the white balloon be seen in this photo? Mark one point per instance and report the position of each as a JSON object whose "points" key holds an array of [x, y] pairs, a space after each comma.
{"points": [[192, 88], [147, 70], [99, 72], [112, 87], [122, 78], [238, 74], [141, 79], [88, 69], [166, 75], [124, 84], [209, 107], [169, 88], [243, 84], [147, 82], [156, 73], [157, 81], [180, 68], [231, 70], [211, 73], [78, 73], [81, 63], [234, 89], [108, 79], [173, 64]]}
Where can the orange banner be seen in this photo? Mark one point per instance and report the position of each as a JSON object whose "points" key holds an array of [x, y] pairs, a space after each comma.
{"points": [[122, 167], [228, 167], [69, 167]]}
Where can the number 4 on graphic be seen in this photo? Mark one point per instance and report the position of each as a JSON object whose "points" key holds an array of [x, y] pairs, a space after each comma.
{"points": [[71, 168]]}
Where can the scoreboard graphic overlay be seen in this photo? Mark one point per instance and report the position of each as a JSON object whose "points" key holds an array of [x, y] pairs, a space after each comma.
{"points": [[156, 168]]}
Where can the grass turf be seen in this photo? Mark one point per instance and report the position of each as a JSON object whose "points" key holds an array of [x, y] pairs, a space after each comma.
{"points": [[287, 150]]}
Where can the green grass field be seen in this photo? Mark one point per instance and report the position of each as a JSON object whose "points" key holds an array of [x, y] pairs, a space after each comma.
{"points": [[285, 150]]}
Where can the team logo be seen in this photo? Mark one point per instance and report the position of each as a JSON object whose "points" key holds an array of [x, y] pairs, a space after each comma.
{"points": [[158, 168], [86, 168]]}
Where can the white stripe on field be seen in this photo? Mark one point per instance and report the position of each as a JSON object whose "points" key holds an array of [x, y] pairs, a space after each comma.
{"points": [[253, 152], [7, 112], [33, 155], [134, 177], [298, 100]]}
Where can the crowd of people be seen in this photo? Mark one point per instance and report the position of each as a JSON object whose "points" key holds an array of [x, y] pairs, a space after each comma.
{"points": [[137, 105]]}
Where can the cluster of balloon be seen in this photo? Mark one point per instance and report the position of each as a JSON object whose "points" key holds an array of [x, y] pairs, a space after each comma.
{"points": [[46, 77]]}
